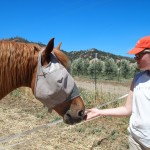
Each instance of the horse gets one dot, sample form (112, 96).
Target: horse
(19, 67)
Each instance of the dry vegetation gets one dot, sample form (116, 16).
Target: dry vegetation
(21, 112)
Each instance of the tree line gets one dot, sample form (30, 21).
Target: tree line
(109, 68)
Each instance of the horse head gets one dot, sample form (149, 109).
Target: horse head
(54, 86)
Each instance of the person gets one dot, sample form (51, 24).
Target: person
(137, 105)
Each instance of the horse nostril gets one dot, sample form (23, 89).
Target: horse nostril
(68, 115)
(81, 113)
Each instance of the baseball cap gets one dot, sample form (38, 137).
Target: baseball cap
(142, 44)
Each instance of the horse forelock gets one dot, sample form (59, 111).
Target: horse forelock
(17, 60)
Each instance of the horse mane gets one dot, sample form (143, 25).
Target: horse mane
(18, 63)
(64, 60)
(17, 60)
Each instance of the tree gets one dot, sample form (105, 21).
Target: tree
(125, 68)
(76, 67)
(96, 67)
(133, 69)
(79, 66)
(111, 68)
(84, 66)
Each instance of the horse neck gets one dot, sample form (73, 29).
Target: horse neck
(16, 70)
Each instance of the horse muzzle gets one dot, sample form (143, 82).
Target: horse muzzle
(73, 117)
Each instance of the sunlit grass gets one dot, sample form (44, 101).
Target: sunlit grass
(103, 133)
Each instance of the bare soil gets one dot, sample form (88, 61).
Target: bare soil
(21, 112)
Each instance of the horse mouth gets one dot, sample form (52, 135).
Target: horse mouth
(73, 119)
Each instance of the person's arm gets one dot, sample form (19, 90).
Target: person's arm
(125, 110)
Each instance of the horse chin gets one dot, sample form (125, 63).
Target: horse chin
(71, 121)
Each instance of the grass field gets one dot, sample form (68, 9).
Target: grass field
(21, 112)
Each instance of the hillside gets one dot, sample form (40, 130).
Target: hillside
(90, 53)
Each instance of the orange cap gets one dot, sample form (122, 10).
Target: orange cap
(142, 44)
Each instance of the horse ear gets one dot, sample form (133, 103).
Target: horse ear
(47, 51)
(58, 46)
(49, 47)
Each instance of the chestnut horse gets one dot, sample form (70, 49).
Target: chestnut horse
(18, 67)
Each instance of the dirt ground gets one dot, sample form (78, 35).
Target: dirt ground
(25, 124)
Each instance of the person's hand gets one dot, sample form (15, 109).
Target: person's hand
(92, 113)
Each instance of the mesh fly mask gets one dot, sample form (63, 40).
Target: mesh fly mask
(54, 84)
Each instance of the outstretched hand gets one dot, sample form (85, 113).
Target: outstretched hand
(92, 113)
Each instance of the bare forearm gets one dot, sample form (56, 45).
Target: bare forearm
(118, 112)
(125, 110)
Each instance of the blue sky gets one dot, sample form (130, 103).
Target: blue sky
(109, 25)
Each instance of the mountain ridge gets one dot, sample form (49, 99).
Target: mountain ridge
(90, 53)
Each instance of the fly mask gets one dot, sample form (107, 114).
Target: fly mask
(54, 84)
